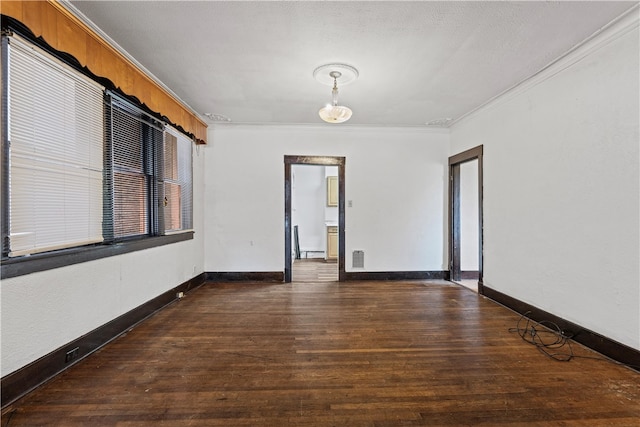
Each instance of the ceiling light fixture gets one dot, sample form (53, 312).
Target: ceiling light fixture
(335, 113)
(329, 74)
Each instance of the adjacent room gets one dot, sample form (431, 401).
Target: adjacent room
(320, 213)
(314, 215)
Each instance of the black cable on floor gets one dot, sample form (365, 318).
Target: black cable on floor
(546, 336)
(10, 415)
(549, 338)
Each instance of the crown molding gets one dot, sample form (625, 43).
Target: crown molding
(323, 127)
(70, 8)
(609, 33)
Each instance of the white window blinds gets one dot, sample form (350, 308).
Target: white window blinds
(178, 188)
(134, 159)
(132, 174)
(55, 156)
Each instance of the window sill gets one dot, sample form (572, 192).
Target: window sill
(19, 266)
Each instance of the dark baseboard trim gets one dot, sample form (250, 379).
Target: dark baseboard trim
(603, 345)
(469, 275)
(244, 276)
(278, 276)
(396, 275)
(17, 384)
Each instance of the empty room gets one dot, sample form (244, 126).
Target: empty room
(319, 213)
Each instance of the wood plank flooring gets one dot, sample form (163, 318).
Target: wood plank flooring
(314, 270)
(331, 354)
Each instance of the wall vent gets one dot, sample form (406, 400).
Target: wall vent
(358, 259)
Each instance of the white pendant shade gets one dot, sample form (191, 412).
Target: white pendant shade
(335, 113)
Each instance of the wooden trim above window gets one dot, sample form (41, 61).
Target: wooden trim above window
(66, 33)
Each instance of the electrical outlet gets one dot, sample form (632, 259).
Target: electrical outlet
(71, 355)
(180, 295)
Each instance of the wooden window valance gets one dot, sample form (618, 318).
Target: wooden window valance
(66, 33)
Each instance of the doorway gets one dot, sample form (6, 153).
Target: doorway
(290, 161)
(314, 217)
(465, 218)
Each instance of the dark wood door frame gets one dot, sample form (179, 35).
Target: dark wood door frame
(454, 213)
(320, 161)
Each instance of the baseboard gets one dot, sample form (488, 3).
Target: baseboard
(245, 276)
(603, 345)
(469, 275)
(18, 383)
(278, 276)
(396, 275)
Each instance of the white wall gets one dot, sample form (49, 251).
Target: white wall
(561, 186)
(396, 178)
(45, 310)
(469, 228)
(308, 201)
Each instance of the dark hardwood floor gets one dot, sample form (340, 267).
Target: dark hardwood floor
(331, 354)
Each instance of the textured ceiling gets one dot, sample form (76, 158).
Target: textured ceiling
(418, 61)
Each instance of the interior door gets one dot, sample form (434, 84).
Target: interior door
(465, 216)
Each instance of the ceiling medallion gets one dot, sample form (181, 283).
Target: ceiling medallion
(445, 122)
(348, 73)
(217, 117)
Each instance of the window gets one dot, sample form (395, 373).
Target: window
(53, 155)
(150, 169)
(83, 167)
(178, 188)
(132, 138)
